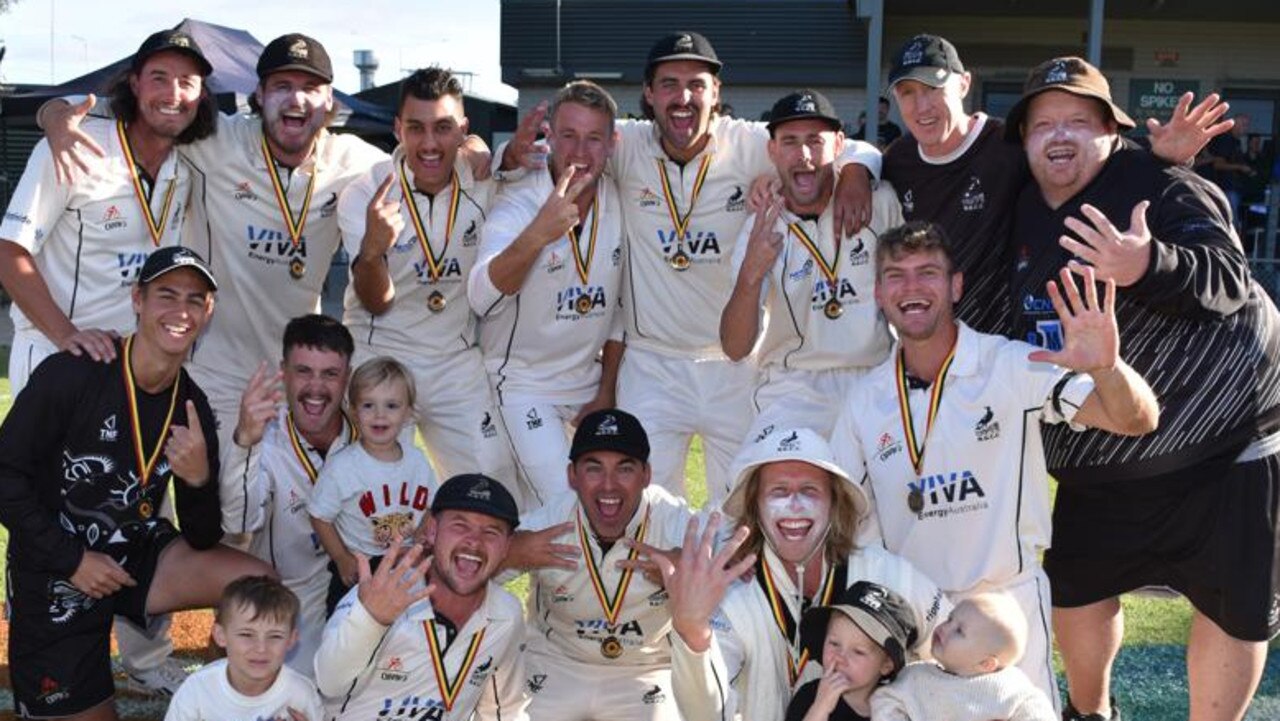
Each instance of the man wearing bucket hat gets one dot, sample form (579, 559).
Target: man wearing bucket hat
(685, 178)
(432, 638)
(801, 290)
(956, 169)
(798, 514)
(1190, 506)
(939, 434)
(597, 646)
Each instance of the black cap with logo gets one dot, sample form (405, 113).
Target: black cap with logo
(801, 105)
(295, 52)
(1069, 74)
(477, 493)
(175, 40)
(173, 257)
(886, 617)
(683, 45)
(610, 429)
(929, 59)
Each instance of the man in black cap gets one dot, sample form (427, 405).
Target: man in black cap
(432, 638)
(956, 169)
(685, 177)
(73, 245)
(1192, 505)
(805, 289)
(86, 454)
(598, 645)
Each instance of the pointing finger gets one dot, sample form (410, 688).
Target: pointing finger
(562, 185)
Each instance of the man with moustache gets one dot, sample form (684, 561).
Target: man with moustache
(277, 452)
(1191, 506)
(810, 289)
(432, 639)
(957, 170)
(683, 180)
(412, 227)
(939, 434)
(736, 647)
(597, 646)
(546, 286)
(72, 250)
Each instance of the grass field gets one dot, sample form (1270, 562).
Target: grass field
(1149, 677)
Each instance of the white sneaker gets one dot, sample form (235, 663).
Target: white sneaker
(163, 680)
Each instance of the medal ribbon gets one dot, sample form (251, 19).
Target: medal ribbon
(300, 452)
(146, 464)
(583, 264)
(154, 227)
(828, 269)
(782, 615)
(681, 223)
(612, 606)
(293, 225)
(915, 447)
(435, 263)
(449, 689)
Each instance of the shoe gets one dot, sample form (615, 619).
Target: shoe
(1071, 714)
(162, 681)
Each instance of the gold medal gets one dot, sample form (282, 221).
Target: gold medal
(436, 301)
(833, 309)
(583, 304)
(144, 510)
(611, 648)
(297, 268)
(680, 261)
(915, 500)
(680, 223)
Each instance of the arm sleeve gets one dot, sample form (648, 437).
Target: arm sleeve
(351, 637)
(183, 706)
(200, 509)
(37, 202)
(244, 484)
(1198, 267)
(352, 205)
(32, 432)
(702, 681)
(847, 446)
(504, 697)
(326, 497)
(501, 228)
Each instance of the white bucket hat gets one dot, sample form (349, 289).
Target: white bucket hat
(787, 444)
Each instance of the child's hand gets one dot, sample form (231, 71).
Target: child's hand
(830, 688)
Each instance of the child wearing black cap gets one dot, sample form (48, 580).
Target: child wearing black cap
(862, 641)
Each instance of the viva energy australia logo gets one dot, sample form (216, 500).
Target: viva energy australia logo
(948, 493)
(701, 247)
(129, 265)
(272, 246)
(579, 301)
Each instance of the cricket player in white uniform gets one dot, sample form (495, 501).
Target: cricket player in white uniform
(803, 297)
(276, 455)
(71, 251)
(436, 639)
(945, 435)
(546, 286)
(736, 644)
(412, 226)
(597, 647)
(683, 180)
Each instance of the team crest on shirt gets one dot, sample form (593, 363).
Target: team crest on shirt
(803, 271)
(737, 202)
(615, 258)
(481, 672)
(273, 246)
(948, 493)
(974, 198)
(653, 696)
(657, 598)
(244, 191)
(113, 219)
(330, 206)
(908, 202)
(858, 254)
(987, 426)
(471, 235)
(393, 670)
(887, 446)
(487, 429)
(648, 199)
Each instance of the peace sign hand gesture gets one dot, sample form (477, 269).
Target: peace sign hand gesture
(559, 213)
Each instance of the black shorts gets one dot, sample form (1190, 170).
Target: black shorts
(60, 639)
(1208, 533)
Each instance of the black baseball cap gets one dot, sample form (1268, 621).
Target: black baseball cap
(173, 257)
(683, 45)
(170, 40)
(1069, 74)
(882, 614)
(610, 429)
(929, 59)
(295, 51)
(477, 493)
(801, 105)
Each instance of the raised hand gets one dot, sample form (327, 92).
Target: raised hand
(851, 203)
(644, 561)
(383, 221)
(540, 549)
(697, 581)
(765, 243)
(525, 150)
(1091, 339)
(1189, 129)
(1114, 254)
(386, 593)
(559, 213)
(186, 450)
(67, 143)
(258, 405)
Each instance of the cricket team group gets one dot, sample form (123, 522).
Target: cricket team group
(886, 357)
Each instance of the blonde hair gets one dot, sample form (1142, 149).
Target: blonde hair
(844, 520)
(1006, 622)
(377, 371)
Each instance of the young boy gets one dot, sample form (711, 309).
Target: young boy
(256, 622)
(974, 677)
(378, 489)
(862, 641)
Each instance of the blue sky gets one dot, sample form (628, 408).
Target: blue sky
(404, 34)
